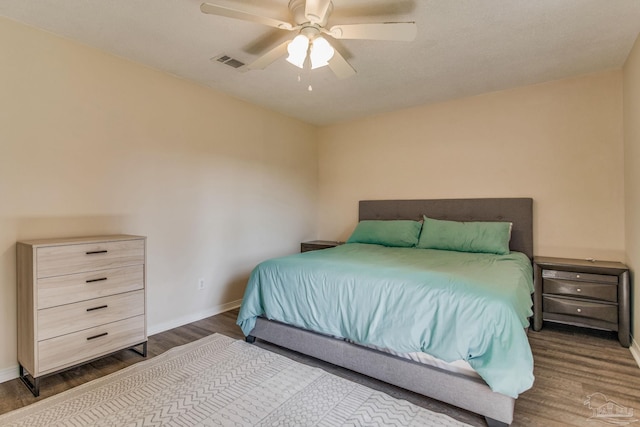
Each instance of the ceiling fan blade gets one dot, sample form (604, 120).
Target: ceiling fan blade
(340, 67)
(263, 43)
(316, 10)
(397, 31)
(268, 58)
(214, 9)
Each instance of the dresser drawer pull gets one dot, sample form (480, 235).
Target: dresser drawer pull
(579, 310)
(577, 276)
(97, 336)
(104, 278)
(97, 308)
(578, 290)
(96, 252)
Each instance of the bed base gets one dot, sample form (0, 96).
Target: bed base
(456, 389)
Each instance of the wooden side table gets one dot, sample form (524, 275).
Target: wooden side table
(315, 245)
(592, 294)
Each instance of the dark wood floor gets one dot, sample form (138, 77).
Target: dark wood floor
(570, 364)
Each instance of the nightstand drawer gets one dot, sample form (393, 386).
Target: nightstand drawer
(580, 277)
(599, 291)
(72, 259)
(590, 310)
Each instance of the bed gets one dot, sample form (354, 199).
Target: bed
(499, 350)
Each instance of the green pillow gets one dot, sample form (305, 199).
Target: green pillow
(402, 233)
(476, 236)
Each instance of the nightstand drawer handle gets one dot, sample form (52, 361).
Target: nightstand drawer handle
(579, 310)
(97, 308)
(104, 278)
(579, 290)
(577, 276)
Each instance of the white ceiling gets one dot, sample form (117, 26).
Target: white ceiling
(463, 48)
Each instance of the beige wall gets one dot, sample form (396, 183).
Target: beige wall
(560, 143)
(90, 144)
(94, 144)
(632, 176)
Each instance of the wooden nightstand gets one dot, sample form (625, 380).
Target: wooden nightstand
(592, 294)
(315, 245)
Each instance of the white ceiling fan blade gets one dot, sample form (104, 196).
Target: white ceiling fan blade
(340, 67)
(316, 10)
(398, 31)
(214, 9)
(268, 58)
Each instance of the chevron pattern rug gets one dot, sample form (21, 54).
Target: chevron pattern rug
(219, 381)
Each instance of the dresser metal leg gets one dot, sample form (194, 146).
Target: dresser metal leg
(33, 386)
(142, 353)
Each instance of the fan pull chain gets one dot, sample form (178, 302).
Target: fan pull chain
(300, 80)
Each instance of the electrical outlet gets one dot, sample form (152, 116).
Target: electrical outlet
(201, 284)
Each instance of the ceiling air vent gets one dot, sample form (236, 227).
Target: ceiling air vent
(227, 60)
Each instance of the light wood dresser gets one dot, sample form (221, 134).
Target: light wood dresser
(79, 299)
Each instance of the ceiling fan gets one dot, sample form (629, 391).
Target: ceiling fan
(310, 19)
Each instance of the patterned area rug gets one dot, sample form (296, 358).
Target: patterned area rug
(219, 381)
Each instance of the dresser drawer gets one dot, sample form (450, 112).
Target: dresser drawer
(59, 290)
(69, 350)
(65, 319)
(601, 291)
(72, 259)
(583, 309)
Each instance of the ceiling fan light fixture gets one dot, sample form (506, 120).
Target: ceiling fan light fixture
(321, 53)
(298, 50)
(310, 19)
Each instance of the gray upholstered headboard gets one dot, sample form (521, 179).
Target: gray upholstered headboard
(519, 211)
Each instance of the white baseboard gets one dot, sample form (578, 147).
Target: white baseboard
(11, 373)
(8, 374)
(193, 317)
(635, 351)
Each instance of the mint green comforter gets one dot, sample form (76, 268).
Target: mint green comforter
(452, 305)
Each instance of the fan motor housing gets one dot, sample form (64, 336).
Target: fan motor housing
(297, 9)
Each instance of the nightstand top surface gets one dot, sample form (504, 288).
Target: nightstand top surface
(585, 265)
(322, 242)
